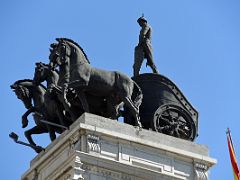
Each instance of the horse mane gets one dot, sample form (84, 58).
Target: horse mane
(75, 43)
(43, 63)
(23, 80)
(29, 80)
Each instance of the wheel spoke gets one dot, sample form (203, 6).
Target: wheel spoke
(183, 132)
(174, 121)
(166, 120)
(165, 128)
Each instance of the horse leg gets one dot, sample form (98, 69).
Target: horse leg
(67, 108)
(73, 115)
(112, 108)
(60, 116)
(133, 109)
(82, 97)
(34, 130)
(51, 132)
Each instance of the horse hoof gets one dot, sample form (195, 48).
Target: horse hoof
(139, 124)
(38, 149)
(138, 128)
(24, 123)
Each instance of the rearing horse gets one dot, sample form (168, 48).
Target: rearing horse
(78, 74)
(37, 101)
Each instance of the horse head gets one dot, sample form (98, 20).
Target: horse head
(66, 48)
(22, 91)
(44, 72)
(41, 73)
(54, 56)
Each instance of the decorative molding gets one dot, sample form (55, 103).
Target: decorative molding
(75, 142)
(200, 171)
(35, 174)
(108, 174)
(76, 172)
(93, 143)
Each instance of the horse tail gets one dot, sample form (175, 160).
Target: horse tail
(137, 95)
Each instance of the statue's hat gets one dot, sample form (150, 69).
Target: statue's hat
(142, 19)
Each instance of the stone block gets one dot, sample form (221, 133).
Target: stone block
(99, 148)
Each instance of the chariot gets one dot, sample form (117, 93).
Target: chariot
(164, 108)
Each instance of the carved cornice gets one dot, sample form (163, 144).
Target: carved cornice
(93, 143)
(76, 172)
(200, 171)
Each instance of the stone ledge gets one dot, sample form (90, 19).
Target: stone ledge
(101, 139)
(148, 137)
(116, 129)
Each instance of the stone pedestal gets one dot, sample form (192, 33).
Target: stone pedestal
(96, 148)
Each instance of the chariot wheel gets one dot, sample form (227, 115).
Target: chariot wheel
(175, 121)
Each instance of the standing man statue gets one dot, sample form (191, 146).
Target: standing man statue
(144, 48)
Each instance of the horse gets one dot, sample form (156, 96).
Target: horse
(97, 105)
(79, 75)
(43, 72)
(39, 102)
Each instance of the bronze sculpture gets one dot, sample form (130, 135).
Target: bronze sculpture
(97, 105)
(144, 48)
(43, 107)
(43, 72)
(164, 107)
(151, 101)
(79, 75)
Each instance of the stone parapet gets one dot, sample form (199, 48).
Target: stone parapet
(97, 148)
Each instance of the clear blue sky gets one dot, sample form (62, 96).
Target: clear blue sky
(196, 44)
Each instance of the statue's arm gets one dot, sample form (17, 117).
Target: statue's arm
(143, 32)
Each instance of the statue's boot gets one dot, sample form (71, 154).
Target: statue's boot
(154, 69)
